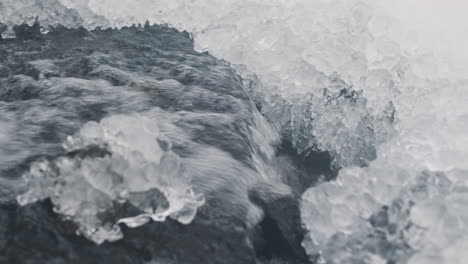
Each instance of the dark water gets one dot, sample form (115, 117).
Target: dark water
(157, 131)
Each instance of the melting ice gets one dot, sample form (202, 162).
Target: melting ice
(129, 161)
(345, 77)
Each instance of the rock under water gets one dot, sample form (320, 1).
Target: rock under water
(190, 151)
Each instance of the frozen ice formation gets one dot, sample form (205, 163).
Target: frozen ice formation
(49, 13)
(133, 164)
(343, 77)
(422, 171)
(406, 217)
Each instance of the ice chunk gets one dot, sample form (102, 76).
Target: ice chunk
(121, 160)
(422, 168)
(48, 13)
(410, 217)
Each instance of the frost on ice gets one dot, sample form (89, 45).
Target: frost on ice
(121, 162)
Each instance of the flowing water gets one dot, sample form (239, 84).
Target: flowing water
(381, 87)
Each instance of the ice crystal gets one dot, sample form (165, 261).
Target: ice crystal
(122, 159)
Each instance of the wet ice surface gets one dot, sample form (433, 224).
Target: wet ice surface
(345, 78)
(140, 168)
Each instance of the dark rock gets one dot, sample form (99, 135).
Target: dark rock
(26, 32)
(36, 235)
(303, 170)
(281, 227)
